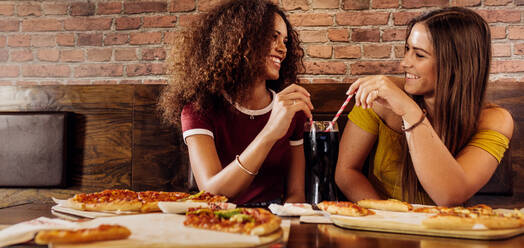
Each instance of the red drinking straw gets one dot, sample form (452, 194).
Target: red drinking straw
(339, 112)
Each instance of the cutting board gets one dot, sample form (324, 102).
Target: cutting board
(167, 230)
(411, 223)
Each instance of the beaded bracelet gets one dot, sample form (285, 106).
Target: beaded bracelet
(416, 123)
(244, 168)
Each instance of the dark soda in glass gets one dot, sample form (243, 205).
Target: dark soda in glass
(321, 151)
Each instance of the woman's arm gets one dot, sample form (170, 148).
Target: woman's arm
(295, 178)
(354, 148)
(452, 180)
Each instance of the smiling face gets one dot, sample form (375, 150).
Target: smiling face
(420, 62)
(278, 49)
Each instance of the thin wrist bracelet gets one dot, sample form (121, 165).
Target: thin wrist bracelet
(416, 123)
(244, 168)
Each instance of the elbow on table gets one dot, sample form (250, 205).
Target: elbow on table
(451, 199)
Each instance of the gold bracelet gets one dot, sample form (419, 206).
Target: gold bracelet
(416, 123)
(244, 168)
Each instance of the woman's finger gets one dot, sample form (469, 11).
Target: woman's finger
(371, 98)
(299, 96)
(354, 87)
(301, 106)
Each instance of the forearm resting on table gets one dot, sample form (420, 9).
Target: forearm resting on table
(354, 185)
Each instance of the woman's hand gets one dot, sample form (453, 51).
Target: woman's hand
(288, 101)
(383, 90)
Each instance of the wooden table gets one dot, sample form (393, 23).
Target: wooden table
(311, 235)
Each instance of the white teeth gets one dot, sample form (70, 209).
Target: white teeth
(275, 59)
(411, 76)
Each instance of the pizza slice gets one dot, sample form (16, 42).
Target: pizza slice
(251, 221)
(150, 199)
(107, 200)
(344, 208)
(100, 233)
(203, 196)
(387, 205)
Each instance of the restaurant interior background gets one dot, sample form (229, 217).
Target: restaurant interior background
(101, 63)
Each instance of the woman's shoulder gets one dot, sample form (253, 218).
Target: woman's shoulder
(496, 118)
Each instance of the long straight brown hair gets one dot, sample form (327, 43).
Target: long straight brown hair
(462, 44)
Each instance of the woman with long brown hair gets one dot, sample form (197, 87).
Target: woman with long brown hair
(244, 139)
(431, 137)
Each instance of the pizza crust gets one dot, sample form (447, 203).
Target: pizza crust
(449, 222)
(117, 205)
(100, 233)
(387, 205)
(344, 208)
(269, 227)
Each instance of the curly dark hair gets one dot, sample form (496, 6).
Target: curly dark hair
(225, 53)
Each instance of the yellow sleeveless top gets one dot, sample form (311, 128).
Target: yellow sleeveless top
(385, 159)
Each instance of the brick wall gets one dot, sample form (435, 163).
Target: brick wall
(122, 42)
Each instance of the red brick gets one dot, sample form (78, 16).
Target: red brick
(338, 34)
(295, 4)
(384, 4)
(516, 32)
(99, 54)
(498, 32)
(507, 66)
(109, 8)
(158, 53)
(159, 21)
(347, 52)
(319, 51)
(500, 15)
(399, 51)
(29, 9)
(320, 67)
(412, 4)
(144, 7)
(4, 55)
(365, 34)
(402, 18)
(362, 18)
(313, 35)
(54, 8)
(465, 3)
(355, 4)
(9, 25)
(377, 51)
(6, 83)
(90, 39)
(325, 81)
(116, 39)
(87, 23)
(21, 55)
(325, 4)
(497, 2)
(189, 20)
(308, 20)
(125, 23)
(74, 55)
(145, 38)
(9, 71)
(155, 81)
(82, 9)
(49, 55)
(145, 69)
(519, 2)
(7, 9)
(43, 40)
(125, 54)
(209, 5)
(19, 40)
(182, 5)
(501, 49)
(98, 70)
(375, 67)
(79, 82)
(46, 70)
(394, 34)
(3, 41)
(65, 39)
(518, 49)
(27, 83)
(169, 37)
(36, 25)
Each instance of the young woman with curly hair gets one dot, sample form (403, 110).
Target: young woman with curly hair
(244, 139)
(432, 138)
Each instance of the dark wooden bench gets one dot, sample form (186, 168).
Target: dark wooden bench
(116, 139)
